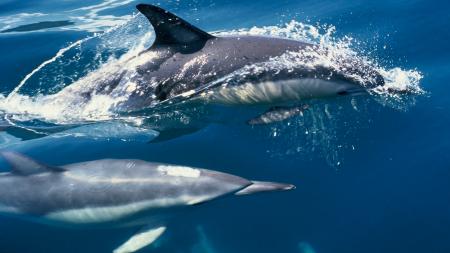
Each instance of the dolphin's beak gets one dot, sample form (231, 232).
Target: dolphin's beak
(258, 186)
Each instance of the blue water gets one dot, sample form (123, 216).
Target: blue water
(372, 172)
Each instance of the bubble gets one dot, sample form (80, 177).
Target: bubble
(52, 91)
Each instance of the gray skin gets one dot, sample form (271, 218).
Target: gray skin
(223, 55)
(184, 59)
(112, 193)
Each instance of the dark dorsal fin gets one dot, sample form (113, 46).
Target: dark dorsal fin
(25, 166)
(172, 30)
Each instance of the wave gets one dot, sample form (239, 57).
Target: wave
(93, 18)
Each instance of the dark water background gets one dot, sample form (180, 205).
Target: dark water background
(371, 180)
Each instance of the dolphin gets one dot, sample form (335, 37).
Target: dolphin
(114, 193)
(277, 114)
(185, 62)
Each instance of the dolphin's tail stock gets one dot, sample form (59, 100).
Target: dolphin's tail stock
(258, 186)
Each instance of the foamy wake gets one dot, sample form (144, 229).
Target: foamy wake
(332, 52)
(67, 106)
(112, 54)
(400, 80)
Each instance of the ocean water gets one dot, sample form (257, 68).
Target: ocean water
(372, 171)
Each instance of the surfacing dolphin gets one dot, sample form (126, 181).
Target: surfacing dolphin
(114, 193)
(185, 62)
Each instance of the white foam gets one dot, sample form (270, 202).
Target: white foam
(400, 80)
(331, 52)
(69, 106)
(45, 63)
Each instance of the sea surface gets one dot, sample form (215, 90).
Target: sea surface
(372, 171)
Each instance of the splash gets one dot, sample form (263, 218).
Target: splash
(84, 63)
(45, 63)
(332, 52)
(52, 90)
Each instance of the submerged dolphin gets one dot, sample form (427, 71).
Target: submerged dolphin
(185, 61)
(277, 114)
(114, 193)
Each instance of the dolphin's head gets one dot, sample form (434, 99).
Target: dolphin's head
(357, 77)
(352, 78)
(292, 84)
